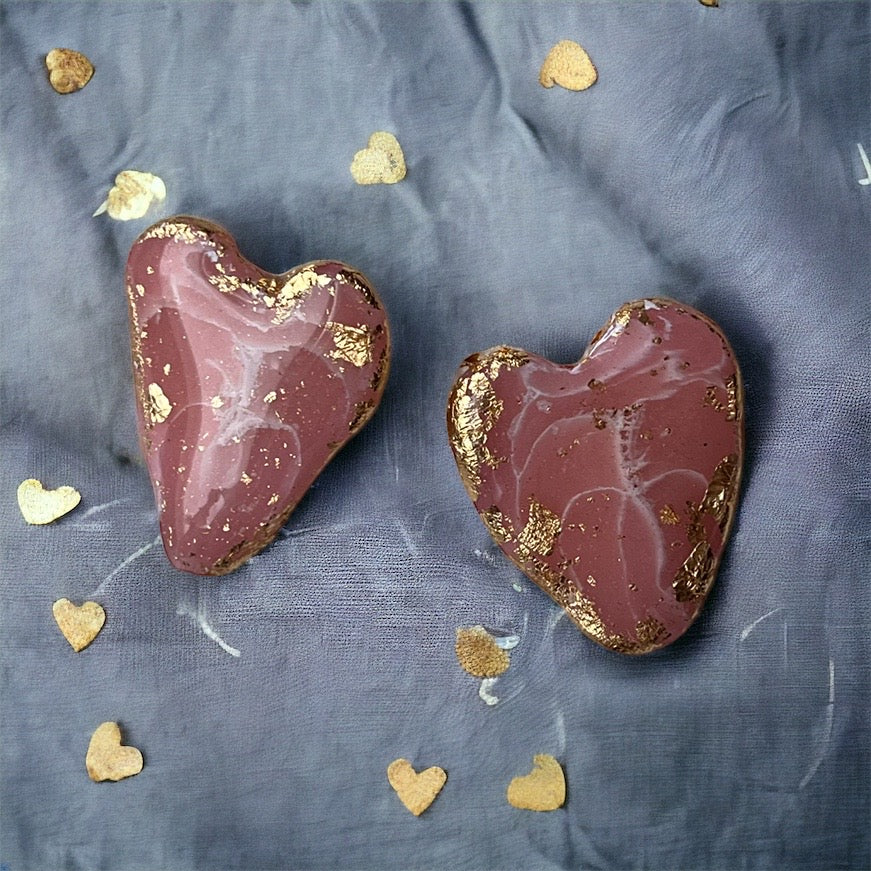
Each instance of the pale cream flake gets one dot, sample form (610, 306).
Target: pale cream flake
(132, 194)
(380, 162)
(159, 406)
(569, 66)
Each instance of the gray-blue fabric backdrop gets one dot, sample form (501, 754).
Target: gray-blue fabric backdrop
(716, 160)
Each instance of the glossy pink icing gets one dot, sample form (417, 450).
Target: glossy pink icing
(633, 454)
(260, 379)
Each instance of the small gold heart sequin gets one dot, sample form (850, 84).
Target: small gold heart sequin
(416, 790)
(68, 70)
(543, 789)
(380, 162)
(107, 758)
(132, 195)
(569, 66)
(80, 624)
(40, 506)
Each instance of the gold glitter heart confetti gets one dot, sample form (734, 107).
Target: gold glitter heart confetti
(569, 66)
(416, 790)
(132, 195)
(40, 506)
(543, 789)
(380, 162)
(80, 624)
(68, 70)
(107, 758)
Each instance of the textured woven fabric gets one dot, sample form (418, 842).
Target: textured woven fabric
(714, 161)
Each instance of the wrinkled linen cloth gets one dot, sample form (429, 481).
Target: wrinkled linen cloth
(717, 160)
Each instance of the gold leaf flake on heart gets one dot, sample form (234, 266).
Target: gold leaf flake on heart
(380, 162)
(569, 66)
(416, 790)
(40, 506)
(107, 758)
(68, 70)
(80, 624)
(132, 195)
(543, 789)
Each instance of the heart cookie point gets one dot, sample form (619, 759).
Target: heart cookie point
(247, 384)
(40, 506)
(543, 789)
(612, 483)
(416, 790)
(80, 624)
(107, 758)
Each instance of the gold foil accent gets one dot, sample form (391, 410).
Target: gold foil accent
(595, 384)
(623, 315)
(226, 282)
(718, 497)
(650, 632)
(363, 410)
(732, 410)
(159, 406)
(246, 478)
(178, 231)
(668, 516)
(353, 344)
(695, 576)
(472, 412)
(712, 399)
(270, 397)
(296, 289)
(502, 357)
(540, 532)
(216, 402)
(498, 525)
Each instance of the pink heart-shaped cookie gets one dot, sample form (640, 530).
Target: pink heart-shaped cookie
(611, 483)
(247, 384)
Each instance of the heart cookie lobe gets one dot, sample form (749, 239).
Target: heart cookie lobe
(40, 506)
(417, 790)
(107, 758)
(543, 789)
(247, 384)
(611, 483)
(79, 624)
